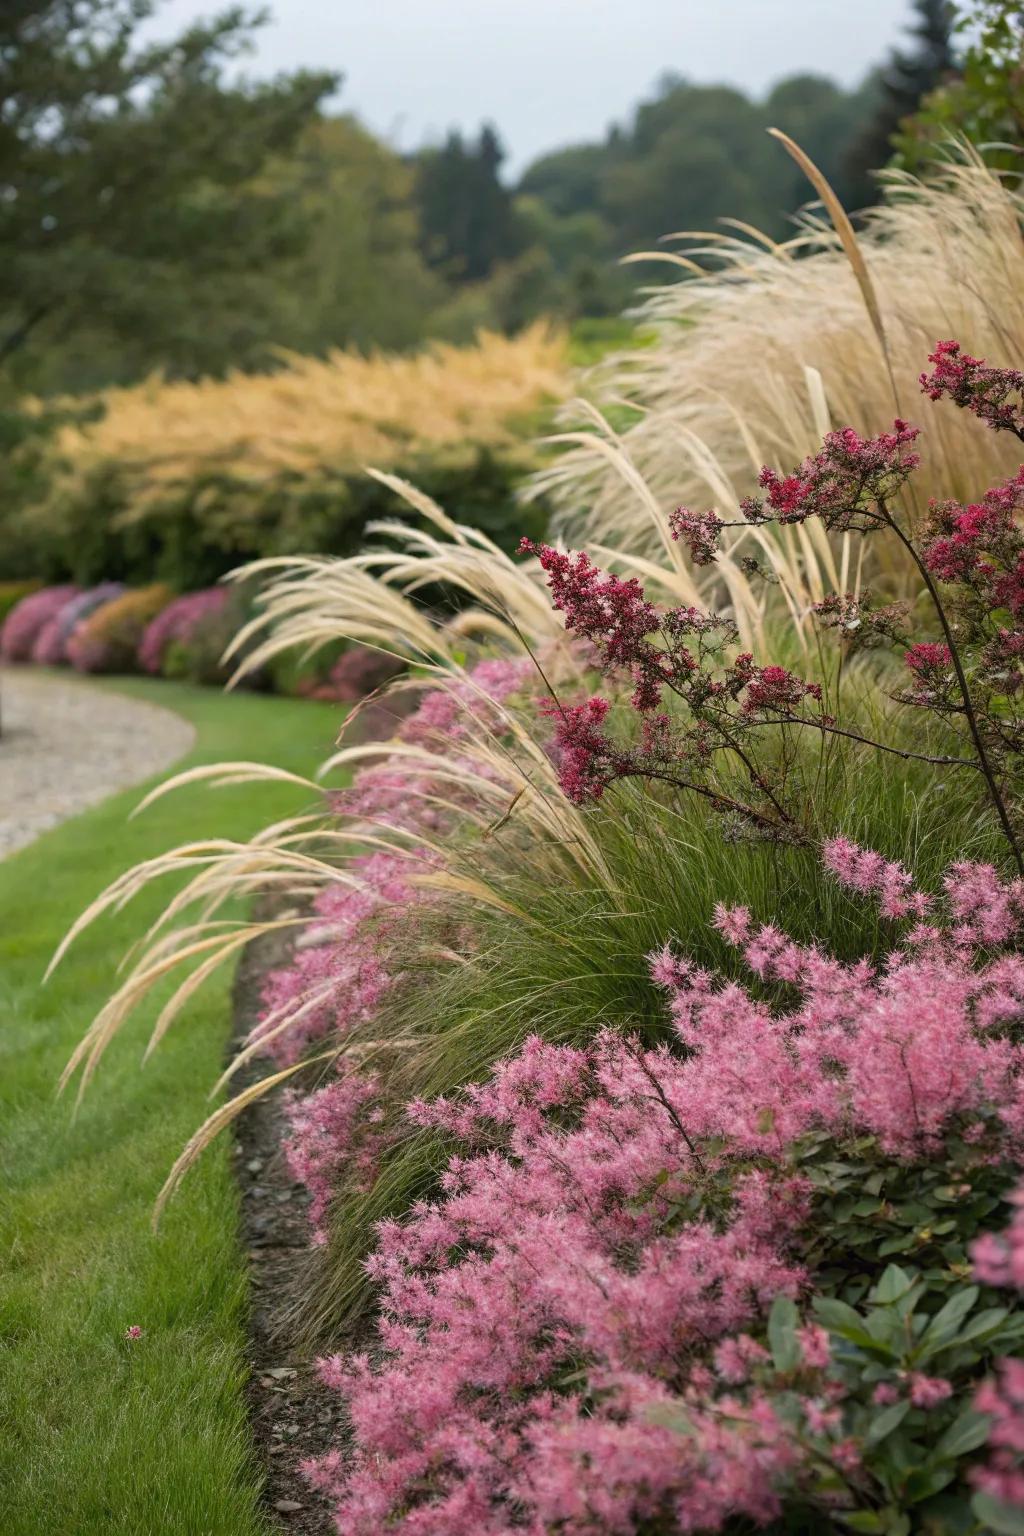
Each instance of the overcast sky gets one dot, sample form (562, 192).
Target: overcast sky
(552, 72)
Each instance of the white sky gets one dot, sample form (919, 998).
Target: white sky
(551, 72)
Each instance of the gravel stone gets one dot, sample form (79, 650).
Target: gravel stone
(67, 744)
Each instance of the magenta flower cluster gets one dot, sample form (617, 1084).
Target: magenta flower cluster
(994, 395)
(843, 483)
(725, 700)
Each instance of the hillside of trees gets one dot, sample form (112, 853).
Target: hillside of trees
(156, 214)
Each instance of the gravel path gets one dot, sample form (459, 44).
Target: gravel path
(67, 744)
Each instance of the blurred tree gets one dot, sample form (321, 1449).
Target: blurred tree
(908, 77)
(132, 221)
(985, 102)
(360, 280)
(467, 220)
(569, 180)
(824, 120)
(694, 154)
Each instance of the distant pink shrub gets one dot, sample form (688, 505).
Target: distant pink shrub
(28, 618)
(177, 623)
(356, 673)
(50, 648)
(108, 640)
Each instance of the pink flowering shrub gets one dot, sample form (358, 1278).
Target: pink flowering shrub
(28, 618)
(50, 648)
(358, 671)
(661, 1289)
(339, 975)
(176, 623)
(108, 640)
(332, 1141)
(349, 958)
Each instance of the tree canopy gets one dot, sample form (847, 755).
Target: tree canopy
(132, 214)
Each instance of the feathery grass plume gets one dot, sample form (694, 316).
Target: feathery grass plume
(759, 354)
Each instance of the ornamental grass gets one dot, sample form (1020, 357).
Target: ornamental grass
(761, 348)
(653, 1016)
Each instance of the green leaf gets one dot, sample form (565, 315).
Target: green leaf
(865, 1520)
(945, 1325)
(901, 1244)
(924, 1481)
(782, 1324)
(988, 1322)
(964, 1434)
(894, 1284)
(839, 1318)
(885, 1422)
(998, 1517)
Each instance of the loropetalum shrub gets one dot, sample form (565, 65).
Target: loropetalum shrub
(51, 644)
(337, 976)
(108, 640)
(698, 702)
(349, 958)
(663, 1289)
(176, 623)
(28, 618)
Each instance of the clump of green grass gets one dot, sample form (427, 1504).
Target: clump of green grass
(97, 1434)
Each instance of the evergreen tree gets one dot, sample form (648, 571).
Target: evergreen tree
(467, 217)
(132, 218)
(910, 75)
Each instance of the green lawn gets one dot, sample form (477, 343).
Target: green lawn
(96, 1436)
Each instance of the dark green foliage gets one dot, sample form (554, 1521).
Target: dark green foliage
(132, 218)
(984, 101)
(905, 81)
(360, 279)
(197, 532)
(693, 154)
(467, 220)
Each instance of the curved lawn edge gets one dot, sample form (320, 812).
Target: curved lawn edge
(102, 1433)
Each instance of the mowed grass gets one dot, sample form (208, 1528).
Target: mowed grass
(96, 1435)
